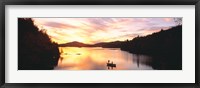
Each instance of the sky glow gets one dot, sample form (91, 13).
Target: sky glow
(95, 30)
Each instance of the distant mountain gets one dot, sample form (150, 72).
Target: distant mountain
(74, 44)
(114, 44)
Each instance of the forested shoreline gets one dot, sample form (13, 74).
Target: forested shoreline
(36, 51)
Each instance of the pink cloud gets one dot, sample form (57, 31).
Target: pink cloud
(93, 30)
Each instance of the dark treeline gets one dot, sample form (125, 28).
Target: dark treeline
(165, 47)
(35, 48)
(162, 43)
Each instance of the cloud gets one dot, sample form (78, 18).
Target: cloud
(59, 25)
(168, 19)
(98, 23)
(94, 30)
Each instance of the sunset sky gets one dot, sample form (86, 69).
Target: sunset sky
(95, 30)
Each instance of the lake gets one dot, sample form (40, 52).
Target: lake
(96, 58)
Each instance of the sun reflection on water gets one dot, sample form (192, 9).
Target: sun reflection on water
(95, 58)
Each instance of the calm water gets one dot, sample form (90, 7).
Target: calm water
(96, 58)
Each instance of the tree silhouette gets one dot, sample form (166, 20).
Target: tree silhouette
(178, 21)
(36, 50)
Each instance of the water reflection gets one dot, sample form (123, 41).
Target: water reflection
(97, 58)
(138, 60)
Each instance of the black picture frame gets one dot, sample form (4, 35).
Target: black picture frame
(98, 2)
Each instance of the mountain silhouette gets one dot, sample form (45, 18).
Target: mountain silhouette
(74, 44)
(113, 44)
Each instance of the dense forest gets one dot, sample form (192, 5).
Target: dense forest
(36, 51)
(164, 46)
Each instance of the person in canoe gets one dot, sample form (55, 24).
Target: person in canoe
(110, 64)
